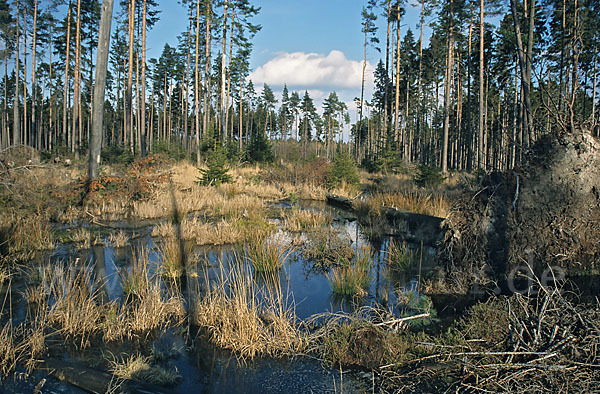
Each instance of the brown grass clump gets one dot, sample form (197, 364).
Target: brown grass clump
(351, 277)
(174, 255)
(247, 320)
(413, 201)
(326, 246)
(268, 254)
(297, 220)
(76, 311)
(28, 234)
(119, 239)
(140, 368)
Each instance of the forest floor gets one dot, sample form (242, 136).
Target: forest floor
(523, 229)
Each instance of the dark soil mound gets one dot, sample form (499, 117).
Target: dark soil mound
(545, 213)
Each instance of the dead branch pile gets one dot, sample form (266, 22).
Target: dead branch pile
(549, 344)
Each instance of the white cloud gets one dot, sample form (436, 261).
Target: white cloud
(301, 70)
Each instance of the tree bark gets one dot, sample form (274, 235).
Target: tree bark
(16, 121)
(480, 153)
(197, 86)
(450, 60)
(99, 88)
(33, 98)
(143, 95)
(76, 130)
(522, 64)
(128, 94)
(223, 71)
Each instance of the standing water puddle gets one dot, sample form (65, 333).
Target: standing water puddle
(214, 370)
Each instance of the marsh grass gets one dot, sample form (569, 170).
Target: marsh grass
(412, 201)
(297, 220)
(351, 278)
(249, 320)
(401, 258)
(268, 254)
(76, 309)
(326, 246)
(28, 234)
(119, 239)
(137, 279)
(175, 254)
(141, 368)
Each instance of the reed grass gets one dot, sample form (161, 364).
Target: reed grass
(174, 255)
(29, 233)
(326, 246)
(240, 316)
(297, 220)
(140, 368)
(351, 277)
(268, 254)
(119, 239)
(400, 257)
(413, 201)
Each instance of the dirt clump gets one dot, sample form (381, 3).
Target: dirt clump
(544, 213)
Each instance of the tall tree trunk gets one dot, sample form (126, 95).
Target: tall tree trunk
(76, 130)
(207, 61)
(128, 94)
(25, 133)
(144, 137)
(16, 121)
(595, 86)
(397, 101)
(241, 105)
(99, 87)
(229, 73)
(470, 135)
(197, 85)
(186, 85)
(223, 71)
(528, 68)
(522, 63)
(447, 83)
(65, 131)
(387, 69)
(420, 110)
(362, 94)
(480, 155)
(34, 132)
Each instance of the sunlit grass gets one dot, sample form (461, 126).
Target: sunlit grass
(249, 320)
(351, 277)
(412, 201)
(268, 254)
(140, 368)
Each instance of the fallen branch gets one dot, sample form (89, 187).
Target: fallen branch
(402, 319)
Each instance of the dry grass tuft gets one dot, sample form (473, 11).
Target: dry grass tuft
(268, 254)
(174, 255)
(140, 368)
(413, 201)
(326, 246)
(28, 234)
(297, 220)
(251, 322)
(351, 277)
(119, 239)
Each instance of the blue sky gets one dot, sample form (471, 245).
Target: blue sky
(313, 45)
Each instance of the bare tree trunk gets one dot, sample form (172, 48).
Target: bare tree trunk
(143, 98)
(207, 69)
(420, 110)
(128, 94)
(387, 68)
(480, 155)
(229, 73)
(76, 88)
(397, 102)
(186, 85)
(522, 63)
(450, 60)
(65, 131)
(16, 117)
(25, 134)
(223, 71)
(197, 86)
(528, 68)
(34, 132)
(241, 112)
(99, 87)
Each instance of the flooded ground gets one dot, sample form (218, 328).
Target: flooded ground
(205, 368)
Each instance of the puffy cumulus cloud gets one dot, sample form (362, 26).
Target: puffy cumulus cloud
(301, 70)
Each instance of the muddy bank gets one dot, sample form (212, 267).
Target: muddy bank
(546, 212)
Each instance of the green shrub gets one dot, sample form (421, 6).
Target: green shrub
(343, 169)
(172, 150)
(428, 176)
(217, 172)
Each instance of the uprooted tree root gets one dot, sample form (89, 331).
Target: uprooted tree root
(544, 212)
(536, 343)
